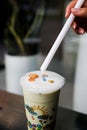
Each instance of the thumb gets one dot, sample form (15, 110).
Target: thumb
(79, 12)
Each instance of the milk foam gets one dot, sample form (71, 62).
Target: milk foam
(45, 83)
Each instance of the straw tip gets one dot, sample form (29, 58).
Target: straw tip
(42, 69)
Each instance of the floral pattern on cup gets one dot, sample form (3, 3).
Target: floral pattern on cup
(32, 77)
(40, 114)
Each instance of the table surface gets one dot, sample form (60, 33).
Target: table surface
(12, 115)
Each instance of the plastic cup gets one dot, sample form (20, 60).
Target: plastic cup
(41, 96)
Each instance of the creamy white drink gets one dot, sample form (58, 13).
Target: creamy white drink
(41, 94)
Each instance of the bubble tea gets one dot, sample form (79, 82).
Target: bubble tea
(41, 94)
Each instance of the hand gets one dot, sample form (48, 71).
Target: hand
(79, 24)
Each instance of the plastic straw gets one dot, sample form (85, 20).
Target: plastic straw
(60, 38)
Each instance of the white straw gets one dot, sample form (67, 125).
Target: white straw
(60, 38)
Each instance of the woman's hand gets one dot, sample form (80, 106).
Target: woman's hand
(79, 24)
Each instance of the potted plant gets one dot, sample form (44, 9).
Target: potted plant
(22, 38)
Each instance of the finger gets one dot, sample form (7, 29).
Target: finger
(68, 8)
(81, 22)
(74, 25)
(81, 12)
(79, 30)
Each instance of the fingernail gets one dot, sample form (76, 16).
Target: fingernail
(81, 31)
(75, 10)
(74, 26)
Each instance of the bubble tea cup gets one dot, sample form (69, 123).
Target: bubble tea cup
(41, 95)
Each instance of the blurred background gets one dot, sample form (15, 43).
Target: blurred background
(64, 61)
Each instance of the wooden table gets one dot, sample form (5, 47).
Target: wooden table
(12, 115)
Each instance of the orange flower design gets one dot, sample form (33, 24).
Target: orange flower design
(32, 77)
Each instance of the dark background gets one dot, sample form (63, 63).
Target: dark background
(5, 11)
